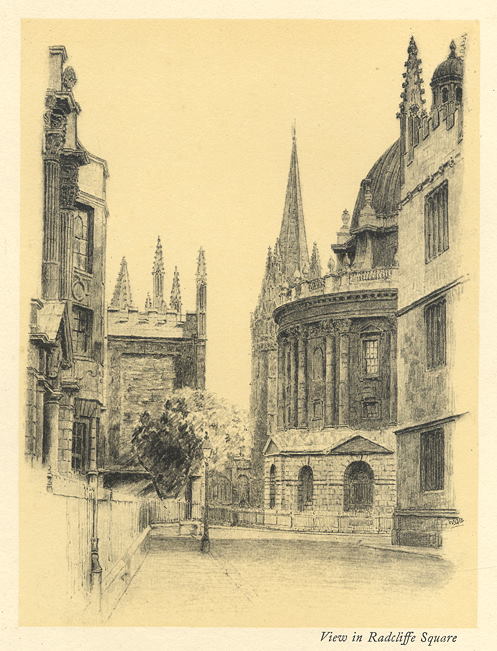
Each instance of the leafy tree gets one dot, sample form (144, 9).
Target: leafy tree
(226, 424)
(170, 447)
(167, 447)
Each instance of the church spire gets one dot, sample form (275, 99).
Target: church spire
(121, 299)
(292, 239)
(175, 301)
(158, 278)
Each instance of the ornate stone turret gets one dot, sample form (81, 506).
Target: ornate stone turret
(412, 114)
(292, 239)
(175, 301)
(447, 78)
(158, 302)
(121, 299)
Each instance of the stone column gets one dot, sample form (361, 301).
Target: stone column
(272, 389)
(66, 426)
(281, 380)
(329, 390)
(55, 124)
(40, 407)
(302, 381)
(343, 371)
(293, 382)
(30, 424)
(51, 244)
(392, 342)
(66, 253)
(282, 493)
(52, 405)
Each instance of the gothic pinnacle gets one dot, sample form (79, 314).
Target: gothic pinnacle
(315, 268)
(158, 266)
(175, 301)
(201, 266)
(122, 299)
(158, 278)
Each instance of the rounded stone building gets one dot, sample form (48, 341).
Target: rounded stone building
(329, 461)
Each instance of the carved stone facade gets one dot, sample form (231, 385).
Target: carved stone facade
(66, 360)
(436, 436)
(373, 358)
(150, 353)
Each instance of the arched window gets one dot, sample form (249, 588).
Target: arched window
(358, 487)
(243, 490)
(272, 487)
(305, 488)
(445, 94)
(458, 94)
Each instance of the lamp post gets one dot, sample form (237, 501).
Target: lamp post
(205, 543)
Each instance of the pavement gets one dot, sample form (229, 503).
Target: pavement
(256, 577)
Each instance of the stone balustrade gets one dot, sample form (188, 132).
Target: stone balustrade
(345, 280)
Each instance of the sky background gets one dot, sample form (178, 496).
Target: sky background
(194, 119)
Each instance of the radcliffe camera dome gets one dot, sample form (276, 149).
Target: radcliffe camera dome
(384, 178)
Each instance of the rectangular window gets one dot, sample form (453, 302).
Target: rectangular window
(370, 409)
(370, 356)
(317, 409)
(82, 330)
(436, 222)
(435, 323)
(79, 445)
(432, 457)
(83, 238)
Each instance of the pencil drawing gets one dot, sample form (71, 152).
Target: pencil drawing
(171, 506)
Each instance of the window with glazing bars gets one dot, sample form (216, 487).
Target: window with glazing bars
(436, 222)
(432, 457)
(82, 329)
(83, 238)
(79, 444)
(370, 409)
(370, 356)
(435, 323)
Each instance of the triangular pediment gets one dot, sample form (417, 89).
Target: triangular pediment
(271, 447)
(359, 445)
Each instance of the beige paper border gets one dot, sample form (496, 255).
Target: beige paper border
(122, 638)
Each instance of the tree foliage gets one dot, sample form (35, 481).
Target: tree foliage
(167, 447)
(170, 447)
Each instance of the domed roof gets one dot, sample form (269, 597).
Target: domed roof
(451, 68)
(385, 185)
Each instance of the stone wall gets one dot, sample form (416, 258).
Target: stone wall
(141, 374)
(328, 484)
